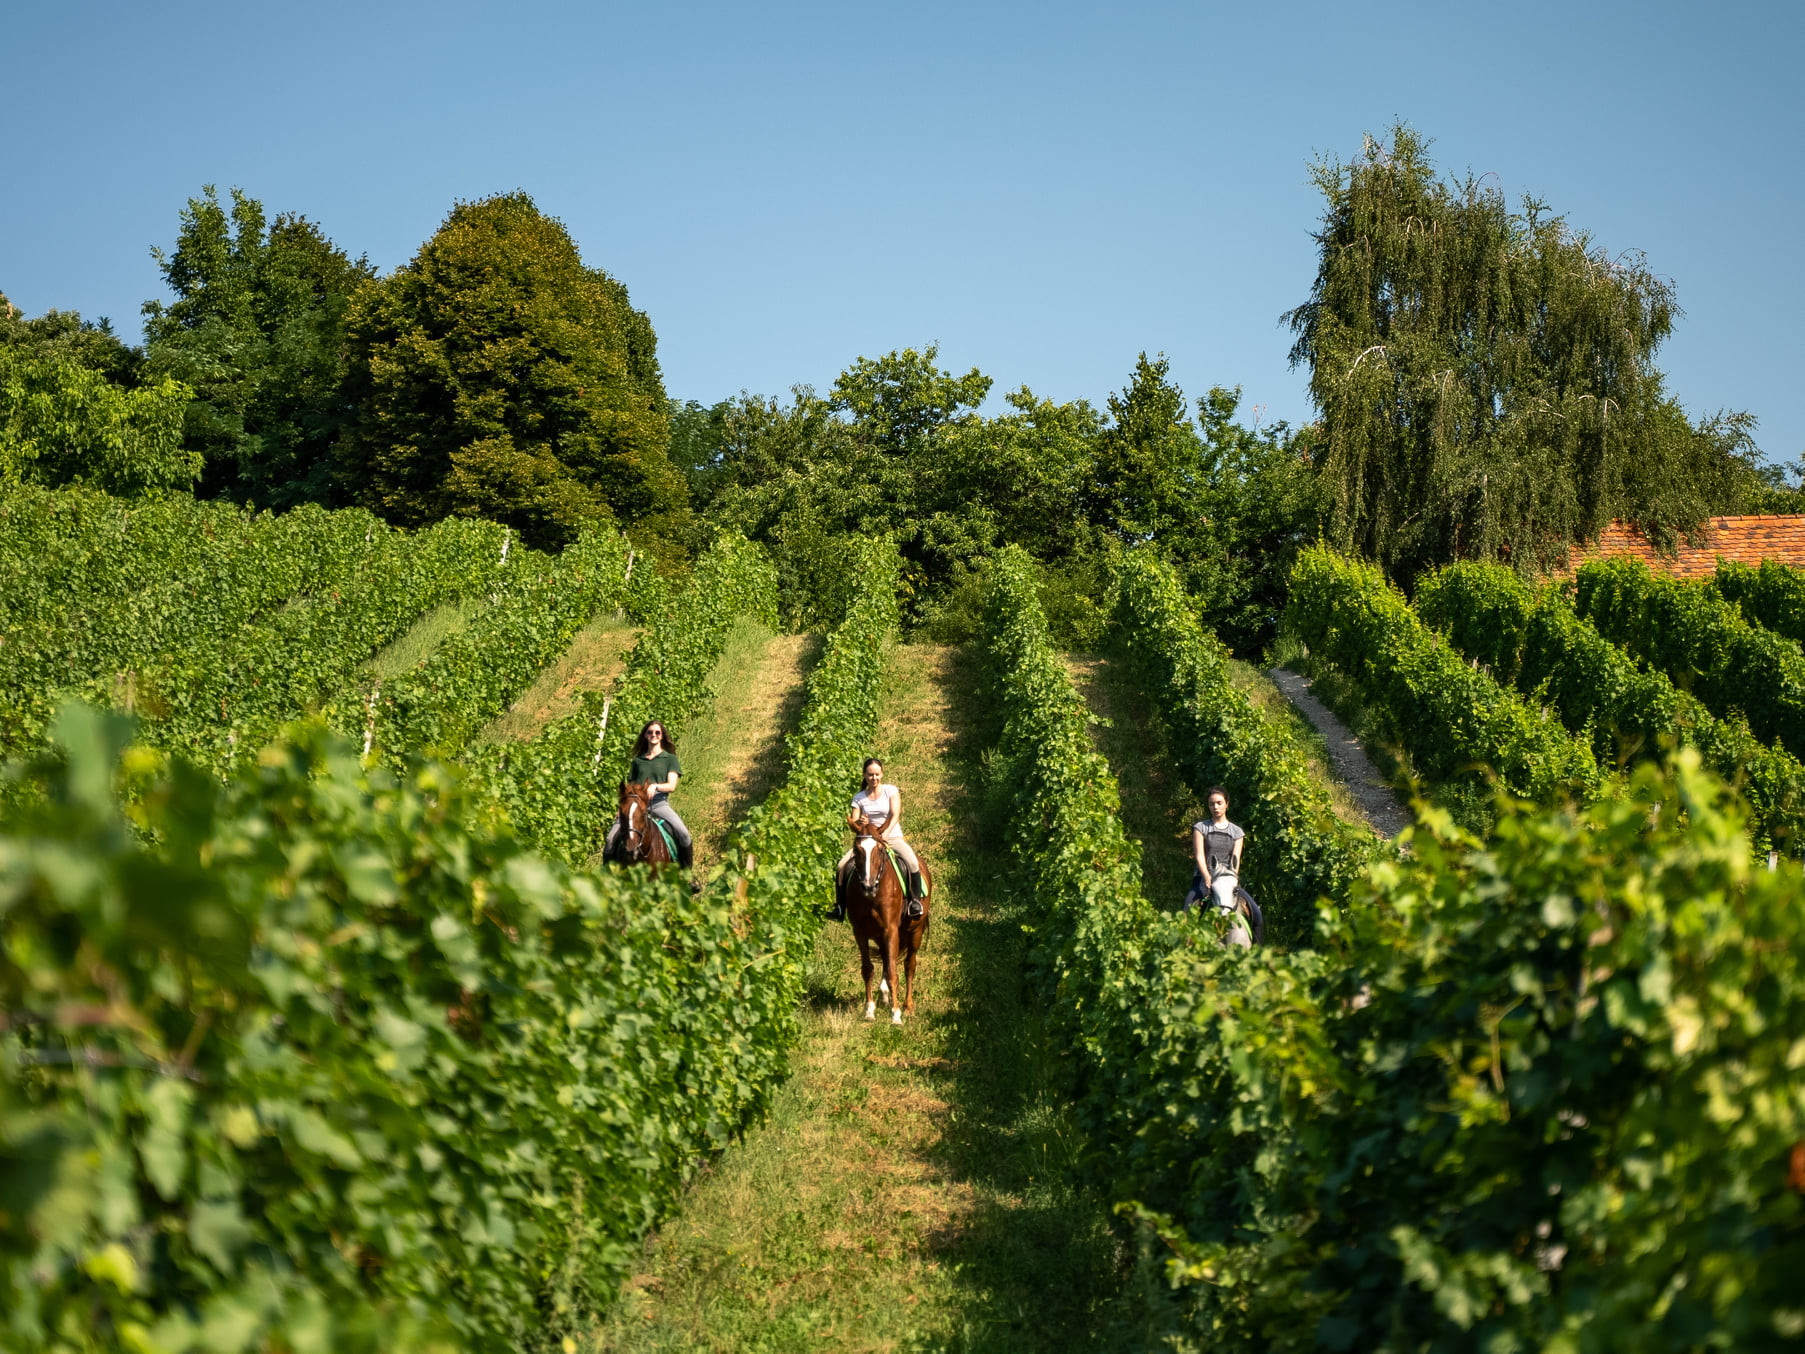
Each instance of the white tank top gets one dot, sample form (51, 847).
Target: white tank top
(875, 806)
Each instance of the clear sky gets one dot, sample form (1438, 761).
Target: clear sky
(1045, 189)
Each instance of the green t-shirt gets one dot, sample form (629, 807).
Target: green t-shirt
(649, 770)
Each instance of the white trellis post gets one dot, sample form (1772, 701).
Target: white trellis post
(629, 574)
(601, 731)
(370, 725)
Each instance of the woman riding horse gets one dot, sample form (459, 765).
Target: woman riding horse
(655, 764)
(1216, 846)
(882, 804)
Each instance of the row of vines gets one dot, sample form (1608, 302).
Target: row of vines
(345, 1052)
(1536, 1092)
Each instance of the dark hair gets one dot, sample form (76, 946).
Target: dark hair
(1217, 790)
(643, 744)
(869, 763)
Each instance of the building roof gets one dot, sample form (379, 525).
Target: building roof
(1747, 540)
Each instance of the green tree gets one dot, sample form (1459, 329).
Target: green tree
(257, 329)
(63, 336)
(1486, 377)
(497, 376)
(1149, 462)
(61, 423)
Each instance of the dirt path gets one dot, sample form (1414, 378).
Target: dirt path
(1377, 804)
(908, 1191)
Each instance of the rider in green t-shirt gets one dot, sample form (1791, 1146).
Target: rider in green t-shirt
(655, 764)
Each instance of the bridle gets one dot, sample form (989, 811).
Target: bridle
(632, 834)
(869, 851)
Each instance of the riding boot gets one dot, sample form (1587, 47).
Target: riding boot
(686, 855)
(915, 894)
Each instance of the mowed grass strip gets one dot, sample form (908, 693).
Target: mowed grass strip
(911, 1188)
(414, 647)
(732, 753)
(596, 656)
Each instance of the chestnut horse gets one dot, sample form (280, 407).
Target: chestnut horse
(872, 893)
(640, 842)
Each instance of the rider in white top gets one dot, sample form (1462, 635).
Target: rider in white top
(882, 804)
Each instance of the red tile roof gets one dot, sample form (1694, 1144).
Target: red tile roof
(1747, 540)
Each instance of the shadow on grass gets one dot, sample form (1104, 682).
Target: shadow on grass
(1041, 1261)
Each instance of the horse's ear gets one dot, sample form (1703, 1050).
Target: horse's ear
(623, 787)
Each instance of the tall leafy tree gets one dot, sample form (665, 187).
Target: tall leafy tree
(495, 375)
(1486, 377)
(63, 336)
(63, 423)
(257, 330)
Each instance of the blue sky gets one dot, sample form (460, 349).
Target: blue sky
(1045, 189)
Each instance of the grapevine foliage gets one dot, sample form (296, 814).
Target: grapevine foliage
(214, 625)
(1772, 595)
(1534, 641)
(1299, 850)
(1537, 1092)
(338, 1062)
(1700, 640)
(558, 789)
(1456, 722)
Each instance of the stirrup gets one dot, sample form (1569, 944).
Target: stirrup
(913, 909)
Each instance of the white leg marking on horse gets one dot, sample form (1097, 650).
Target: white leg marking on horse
(896, 1015)
(870, 1009)
(883, 987)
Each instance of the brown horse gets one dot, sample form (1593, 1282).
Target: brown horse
(640, 842)
(872, 893)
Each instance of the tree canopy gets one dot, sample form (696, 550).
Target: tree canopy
(1486, 377)
(257, 330)
(63, 423)
(495, 375)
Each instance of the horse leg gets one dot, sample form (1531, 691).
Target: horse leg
(891, 941)
(909, 975)
(868, 968)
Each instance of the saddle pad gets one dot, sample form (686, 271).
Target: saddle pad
(663, 831)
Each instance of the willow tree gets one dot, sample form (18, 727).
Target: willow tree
(1486, 378)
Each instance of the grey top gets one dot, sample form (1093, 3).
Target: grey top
(1218, 843)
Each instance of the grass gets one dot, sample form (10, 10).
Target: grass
(596, 655)
(1157, 810)
(422, 637)
(913, 1188)
(732, 753)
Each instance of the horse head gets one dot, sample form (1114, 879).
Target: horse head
(635, 820)
(867, 853)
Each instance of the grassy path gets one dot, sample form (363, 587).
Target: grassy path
(732, 753)
(910, 1189)
(594, 659)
